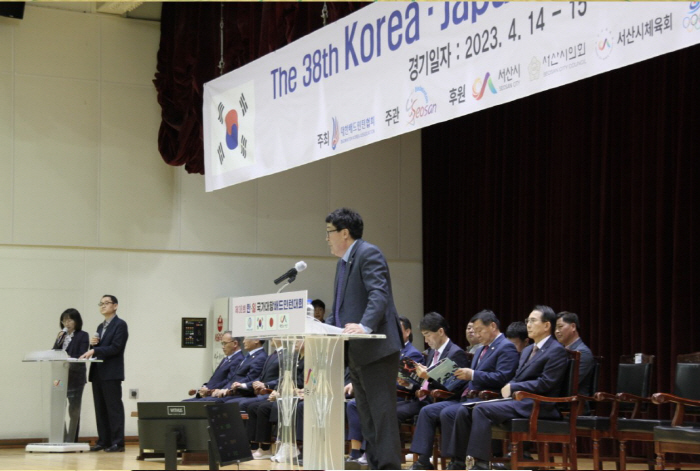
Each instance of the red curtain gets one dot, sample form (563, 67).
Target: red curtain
(584, 198)
(190, 51)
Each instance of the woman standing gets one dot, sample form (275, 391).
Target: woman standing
(75, 342)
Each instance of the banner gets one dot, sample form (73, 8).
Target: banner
(268, 315)
(394, 67)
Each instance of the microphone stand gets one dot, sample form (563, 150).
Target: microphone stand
(287, 283)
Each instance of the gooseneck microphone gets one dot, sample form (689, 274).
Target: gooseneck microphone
(292, 273)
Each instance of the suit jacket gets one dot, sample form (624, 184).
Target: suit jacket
(111, 351)
(585, 371)
(409, 351)
(77, 346)
(367, 300)
(269, 375)
(248, 370)
(543, 374)
(218, 380)
(497, 366)
(456, 354)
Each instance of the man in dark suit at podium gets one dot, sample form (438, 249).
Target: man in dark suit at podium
(364, 303)
(108, 345)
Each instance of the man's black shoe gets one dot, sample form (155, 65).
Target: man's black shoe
(97, 447)
(498, 466)
(419, 465)
(114, 448)
(456, 464)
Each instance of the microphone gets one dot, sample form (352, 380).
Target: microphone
(61, 334)
(292, 273)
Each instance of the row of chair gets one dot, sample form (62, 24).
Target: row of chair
(625, 422)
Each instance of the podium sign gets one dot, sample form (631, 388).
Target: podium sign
(269, 315)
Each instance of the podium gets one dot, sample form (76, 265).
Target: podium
(285, 316)
(60, 363)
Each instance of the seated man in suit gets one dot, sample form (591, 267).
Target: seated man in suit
(434, 328)
(492, 367)
(540, 371)
(353, 416)
(248, 370)
(246, 393)
(517, 334)
(233, 356)
(567, 332)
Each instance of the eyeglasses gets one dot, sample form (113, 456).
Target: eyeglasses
(532, 321)
(328, 233)
(104, 303)
(226, 343)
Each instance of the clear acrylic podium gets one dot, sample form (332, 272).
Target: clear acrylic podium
(60, 362)
(284, 316)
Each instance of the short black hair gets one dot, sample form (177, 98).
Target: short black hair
(570, 318)
(432, 322)
(517, 329)
(318, 303)
(346, 218)
(407, 325)
(113, 298)
(74, 315)
(548, 315)
(487, 317)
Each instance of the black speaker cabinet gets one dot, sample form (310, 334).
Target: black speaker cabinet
(12, 9)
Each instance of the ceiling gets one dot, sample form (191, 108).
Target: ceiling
(137, 10)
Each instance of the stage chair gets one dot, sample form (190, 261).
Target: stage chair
(676, 438)
(545, 432)
(687, 386)
(634, 378)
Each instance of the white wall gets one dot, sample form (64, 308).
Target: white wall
(88, 207)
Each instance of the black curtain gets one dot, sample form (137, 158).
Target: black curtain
(584, 198)
(190, 52)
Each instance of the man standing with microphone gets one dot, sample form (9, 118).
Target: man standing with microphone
(108, 345)
(364, 303)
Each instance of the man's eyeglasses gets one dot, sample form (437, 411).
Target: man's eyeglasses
(328, 233)
(104, 303)
(226, 343)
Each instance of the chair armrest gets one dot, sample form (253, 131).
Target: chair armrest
(403, 394)
(263, 391)
(681, 402)
(534, 415)
(440, 395)
(627, 397)
(520, 395)
(604, 397)
(663, 398)
(487, 395)
(191, 392)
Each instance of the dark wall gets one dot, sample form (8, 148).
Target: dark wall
(584, 198)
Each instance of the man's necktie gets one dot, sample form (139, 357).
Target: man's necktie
(482, 355)
(339, 292)
(534, 350)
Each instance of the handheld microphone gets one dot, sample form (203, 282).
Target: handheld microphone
(292, 273)
(62, 333)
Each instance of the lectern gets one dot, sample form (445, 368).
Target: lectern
(285, 316)
(60, 362)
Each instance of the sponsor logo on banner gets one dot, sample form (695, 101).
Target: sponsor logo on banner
(604, 44)
(565, 58)
(249, 323)
(233, 130)
(534, 68)
(259, 323)
(283, 323)
(336, 133)
(691, 22)
(479, 86)
(418, 105)
(509, 76)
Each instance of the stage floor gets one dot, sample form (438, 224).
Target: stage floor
(17, 459)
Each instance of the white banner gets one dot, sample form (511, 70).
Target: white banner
(394, 67)
(268, 314)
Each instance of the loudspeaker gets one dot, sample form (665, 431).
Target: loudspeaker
(12, 9)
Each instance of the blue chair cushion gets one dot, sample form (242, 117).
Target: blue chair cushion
(690, 435)
(593, 422)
